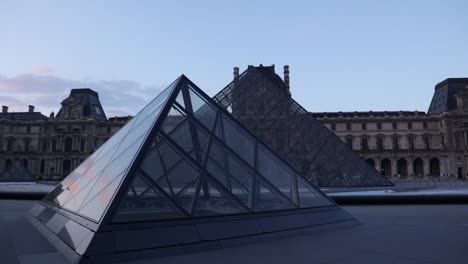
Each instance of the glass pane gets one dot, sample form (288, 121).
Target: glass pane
(191, 138)
(96, 207)
(238, 140)
(213, 202)
(152, 165)
(266, 200)
(157, 102)
(74, 203)
(173, 119)
(309, 197)
(275, 172)
(142, 202)
(203, 111)
(115, 169)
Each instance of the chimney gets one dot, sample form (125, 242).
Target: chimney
(236, 72)
(286, 76)
(31, 108)
(4, 109)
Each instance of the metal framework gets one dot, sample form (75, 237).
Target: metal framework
(182, 158)
(261, 102)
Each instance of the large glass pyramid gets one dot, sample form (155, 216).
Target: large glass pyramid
(182, 158)
(16, 172)
(261, 102)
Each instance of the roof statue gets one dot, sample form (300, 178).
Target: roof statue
(182, 172)
(260, 100)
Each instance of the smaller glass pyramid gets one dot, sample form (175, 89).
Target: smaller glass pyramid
(16, 172)
(182, 156)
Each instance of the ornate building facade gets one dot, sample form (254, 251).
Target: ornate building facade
(408, 143)
(51, 147)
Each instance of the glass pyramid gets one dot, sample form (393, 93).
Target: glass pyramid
(259, 100)
(182, 156)
(17, 173)
(180, 170)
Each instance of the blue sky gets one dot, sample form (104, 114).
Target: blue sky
(343, 55)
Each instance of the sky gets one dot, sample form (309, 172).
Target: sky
(343, 55)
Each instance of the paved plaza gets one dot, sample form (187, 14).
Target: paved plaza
(387, 234)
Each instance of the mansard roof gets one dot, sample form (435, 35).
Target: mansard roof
(444, 99)
(82, 103)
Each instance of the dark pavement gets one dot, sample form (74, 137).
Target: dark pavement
(387, 234)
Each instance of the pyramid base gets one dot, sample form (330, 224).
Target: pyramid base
(130, 241)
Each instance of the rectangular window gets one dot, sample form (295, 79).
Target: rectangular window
(394, 125)
(364, 145)
(411, 143)
(364, 126)
(395, 143)
(410, 125)
(348, 126)
(425, 125)
(379, 126)
(441, 124)
(108, 130)
(380, 145)
(427, 142)
(333, 127)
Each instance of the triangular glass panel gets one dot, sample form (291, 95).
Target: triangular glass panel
(308, 197)
(213, 201)
(266, 200)
(141, 201)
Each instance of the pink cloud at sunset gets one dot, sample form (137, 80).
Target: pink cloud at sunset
(41, 69)
(46, 92)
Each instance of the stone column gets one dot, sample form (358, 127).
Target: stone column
(426, 166)
(377, 164)
(410, 167)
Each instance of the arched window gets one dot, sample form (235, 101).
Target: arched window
(434, 166)
(68, 144)
(418, 167)
(386, 167)
(402, 167)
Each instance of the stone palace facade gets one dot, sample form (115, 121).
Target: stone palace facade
(51, 147)
(408, 143)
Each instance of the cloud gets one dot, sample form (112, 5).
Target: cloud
(41, 69)
(46, 92)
